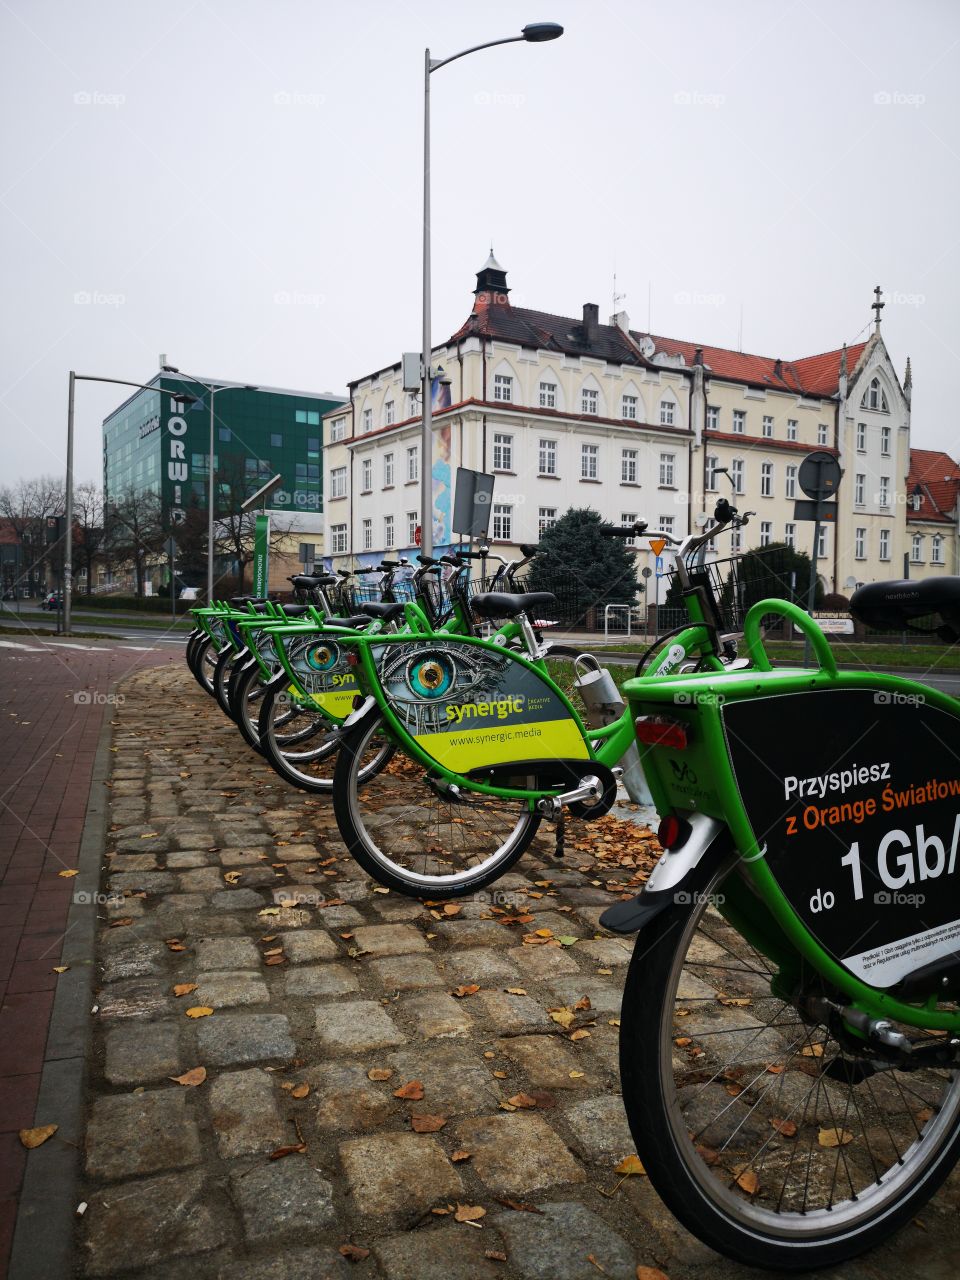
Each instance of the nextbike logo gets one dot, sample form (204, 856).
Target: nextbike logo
(503, 707)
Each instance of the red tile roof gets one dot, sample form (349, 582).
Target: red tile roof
(938, 477)
(811, 376)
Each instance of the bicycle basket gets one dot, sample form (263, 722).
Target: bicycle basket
(737, 582)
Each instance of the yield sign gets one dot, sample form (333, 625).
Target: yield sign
(657, 545)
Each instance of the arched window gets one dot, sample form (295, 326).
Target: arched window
(591, 397)
(875, 397)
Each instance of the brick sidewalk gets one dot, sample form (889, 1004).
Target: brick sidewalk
(50, 737)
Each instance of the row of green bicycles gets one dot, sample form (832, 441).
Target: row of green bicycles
(790, 1033)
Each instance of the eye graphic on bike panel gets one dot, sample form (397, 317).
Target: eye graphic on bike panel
(430, 677)
(320, 669)
(322, 657)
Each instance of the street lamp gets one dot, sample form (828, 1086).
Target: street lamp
(533, 33)
(169, 368)
(68, 506)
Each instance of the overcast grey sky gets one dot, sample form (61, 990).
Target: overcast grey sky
(237, 183)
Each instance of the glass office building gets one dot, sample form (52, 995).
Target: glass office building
(160, 440)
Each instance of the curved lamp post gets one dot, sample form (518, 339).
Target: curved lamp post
(533, 33)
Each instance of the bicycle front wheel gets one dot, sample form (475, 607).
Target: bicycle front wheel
(411, 834)
(766, 1136)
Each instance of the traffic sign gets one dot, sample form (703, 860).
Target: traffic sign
(656, 546)
(416, 536)
(825, 512)
(646, 573)
(660, 564)
(819, 475)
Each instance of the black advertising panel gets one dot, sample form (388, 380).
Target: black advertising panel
(855, 795)
(472, 503)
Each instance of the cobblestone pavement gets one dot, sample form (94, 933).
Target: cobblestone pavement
(53, 699)
(352, 1033)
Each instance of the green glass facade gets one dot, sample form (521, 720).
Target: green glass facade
(160, 440)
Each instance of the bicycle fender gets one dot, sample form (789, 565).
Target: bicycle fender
(666, 883)
(356, 716)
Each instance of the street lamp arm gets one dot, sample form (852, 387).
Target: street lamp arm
(120, 382)
(437, 63)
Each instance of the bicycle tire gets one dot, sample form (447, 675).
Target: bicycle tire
(221, 678)
(354, 800)
(247, 690)
(205, 660)
(680, 1159)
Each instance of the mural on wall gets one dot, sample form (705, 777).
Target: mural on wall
(442, 481)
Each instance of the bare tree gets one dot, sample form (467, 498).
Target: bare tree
(26, 507)
(235, 529)
(88, 524)
(135, 530)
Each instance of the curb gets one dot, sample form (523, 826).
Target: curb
(43, 1242)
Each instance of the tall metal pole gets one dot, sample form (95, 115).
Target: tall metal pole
(210, 493)
(426, 412)
(68, 531)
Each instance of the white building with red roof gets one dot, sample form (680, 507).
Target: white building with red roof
(933, 506)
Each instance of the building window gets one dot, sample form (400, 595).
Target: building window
(861, 437)
(766, 480)
(389, 413)
(885, 441)
(388, 533)
(546, 518)
(736, 474)
(667, 470)
(310, 417)
(860, 544)
(413, 404)
(589, 461)
(736, 541)
(739, 421)
(276, 441)
(257, 469)
(628, 518)
(589, 401)
(366, 534)
(713, 418)
(822, 432)
(884, 496)
(822, 544)
(224, 434)
(338, 539)
(628, 466)
(412, 522)
(338, 429)
(766, 533)
(790, 534)
(313, 446)
(502, 452)
(503, 387)
(791, 428)
(502, 522)
(666, 524)
(547, 460)
(388, 470)
(710, 473)
(366, 475)
(767, 427)
(791, 482)
(628, 408)
(548, 395)
(884, 544)
(875, 398)
(338, 482)
(916, 549)
(413, 463)
(667, 411)
(936, 550)
(366, 421)
(859, 489)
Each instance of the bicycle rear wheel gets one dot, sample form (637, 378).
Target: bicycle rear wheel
(768, 1138)
(247, 688)
(409, 833)
(205, 658)
(300, 743)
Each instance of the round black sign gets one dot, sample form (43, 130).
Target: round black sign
(819, 475)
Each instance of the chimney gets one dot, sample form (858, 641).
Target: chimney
(698, 356)
(778, 368)
(621, 320)
(591, 320)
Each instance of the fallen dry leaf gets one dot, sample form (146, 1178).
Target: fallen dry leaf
(37, 1137)
(175, 944)
(294, 1149)
(470, 990)
(191, 1078)
(650, 1273)
(60, 968)
(495, 1255)
(452, 909)
(812, 1050)
(120, 924)
(232, 877)
(834, 1137)
(354, 1252)
(67, 874)
(522, 1100)
(516, 991)
(299, 1091)
(469, 1213)
(501, 1075)
(786, 1127)
(427, 1124)
(747, 1181)
(576, 1075)
(734, 1002)
(199, 1011)
(518, 1205)
(582, 1004)
(379, 1073)
(579, 1034)
(682, 1041)
(459, 1156)
(412, 1091)
(277, 959)
(565, 1017)
(543, 933)
(630, 1165)
(184, 988)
